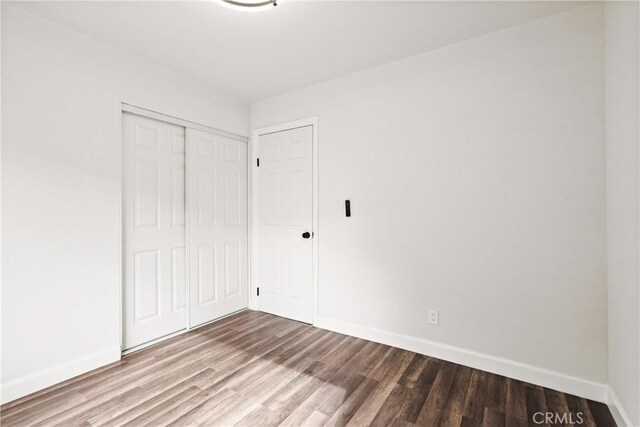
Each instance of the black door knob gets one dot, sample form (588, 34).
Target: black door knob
(306, 235)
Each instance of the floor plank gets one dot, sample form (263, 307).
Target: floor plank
(254, 369)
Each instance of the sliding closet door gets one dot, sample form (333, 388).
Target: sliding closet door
(154, 229)
(217, 217)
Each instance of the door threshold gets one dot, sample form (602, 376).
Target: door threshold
(175, 334)
(152, 342)
(218, 318)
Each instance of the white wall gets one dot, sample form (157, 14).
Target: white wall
(622, 115)
(476, 175)
(61, 191)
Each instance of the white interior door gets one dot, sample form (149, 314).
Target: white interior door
(217, 211)
(284, 223)
(154, 229)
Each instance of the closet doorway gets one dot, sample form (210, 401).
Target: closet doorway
(184, 226)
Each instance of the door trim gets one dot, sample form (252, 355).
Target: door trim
(252, 152)
(180, 122)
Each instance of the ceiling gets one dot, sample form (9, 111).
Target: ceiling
(296, 44)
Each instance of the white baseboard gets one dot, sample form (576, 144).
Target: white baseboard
(485, 362)
(497, 365)
(617, 410)
(37, 381)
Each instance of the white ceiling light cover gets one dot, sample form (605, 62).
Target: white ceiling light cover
(249, 5)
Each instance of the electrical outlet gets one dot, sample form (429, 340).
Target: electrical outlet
(433, 317)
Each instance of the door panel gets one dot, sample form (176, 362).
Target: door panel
(154, 273)
(285, 204)
(178, 279)
(217, 210)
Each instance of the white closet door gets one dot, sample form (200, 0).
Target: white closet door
(217, 210)
(285, 205)
(154, 229)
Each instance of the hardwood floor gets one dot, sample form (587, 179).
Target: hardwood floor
(256, 369)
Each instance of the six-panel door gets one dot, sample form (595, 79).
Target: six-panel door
(217, 209)
(284, 240)
(154, 250)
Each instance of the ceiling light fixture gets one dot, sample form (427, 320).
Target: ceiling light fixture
(249, 5)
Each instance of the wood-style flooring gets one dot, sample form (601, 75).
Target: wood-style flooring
(255, 369)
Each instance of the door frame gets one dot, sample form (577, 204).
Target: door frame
(150, 114)
(252, 152)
